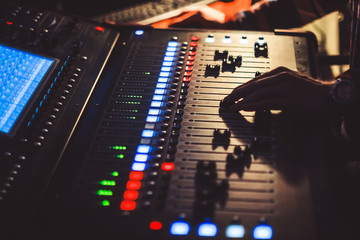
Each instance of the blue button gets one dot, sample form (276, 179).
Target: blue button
(235, 231)
(180, 228)
(207, 230)
(263, 231)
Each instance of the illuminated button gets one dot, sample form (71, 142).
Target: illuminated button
(186, 79)
(143, 149)
(164, 74)
(192, 53)
(169, 59)
(131, 195)
(167, 64)
(133, 185)
(188, 68)
(140, 157)
(162, 85)
(235, 231)
(207, 230)
(148, 133)
(191, 58)
(157, 104)
(153, 111)
(173, 44)
(137, 166)
(166, 69)
(263, 231)
(158, 97)
(128, 205)
(190, 63)
(163, 79)
(187, 74)
(170, 54)
(136, 176)
(155, 225)
(167, 166)
(171, 49)
(179, 228)
(160, 91)
(152, 119)
(99, 28)
(194, 44)
(194, 38)
(139, 32)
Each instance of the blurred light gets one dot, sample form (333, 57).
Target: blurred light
(154, 111)
(139, 32)
(152, 119)
(207, 230)
(155, 225)
(136, 176)
(136, 166)
(167, 166)
(161, 85)
(131, 195)
(127, 205)
(105, 203)
(148, 133)
(171, 49)
(210, 40)
(143, 149)
(158, 97)
(133, 185)
(170, 54)
(157, 104)
(263, 231)
(180, 228)
(163, 79)
(173, 44)
(160, 91)
(235, 231)
(165, 69)
(165, 74)
(167, 64)
(141, 157)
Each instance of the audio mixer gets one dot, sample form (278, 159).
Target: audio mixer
(121, 133)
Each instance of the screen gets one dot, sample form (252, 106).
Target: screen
(21, 73)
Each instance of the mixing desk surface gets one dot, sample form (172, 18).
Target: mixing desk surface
(120, 133)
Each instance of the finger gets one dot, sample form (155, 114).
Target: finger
(184, 19)
(244, 91)
(268, 104)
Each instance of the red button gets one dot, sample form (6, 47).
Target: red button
(188, 68)
(191, 58)
(100, 29)
(194, 38)
(127, 205)
(137, 176)
(167, 166)
(193, 44)
(192, 53)
(133, 185)
(131, 195)
(187, 74)
(155, 225)
(190, 63)
(186, 79)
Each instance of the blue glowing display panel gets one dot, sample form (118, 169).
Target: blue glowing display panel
(20, 74)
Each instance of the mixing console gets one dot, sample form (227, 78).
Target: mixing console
(125, 135)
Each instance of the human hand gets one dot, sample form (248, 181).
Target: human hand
(282, 89)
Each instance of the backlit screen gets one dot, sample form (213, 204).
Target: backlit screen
(21, 73)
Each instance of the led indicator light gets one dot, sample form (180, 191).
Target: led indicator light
(103, 192)
(9, 23)
(167, 166)
(207, 230)
(263, 231)
(121, 156)
(163, 79)
(166, 69)
(168, 64)
(170, 54)
(156, 104)
(105, 203)
(169, 59)
(133, 185)
(148, 133)
(143, 149)
(131, 195)
(158, 97)
(107, 183)
(128, 205)
(115, 174)
(141, 157)
(136, 176)
(235, 231)
(119, 147)
(155, 225)
(179, 228)
(171, 49)
(139, 32)
(152, 119)
(154, 111)
(99, 28)
(136, 166)
(173, 44)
